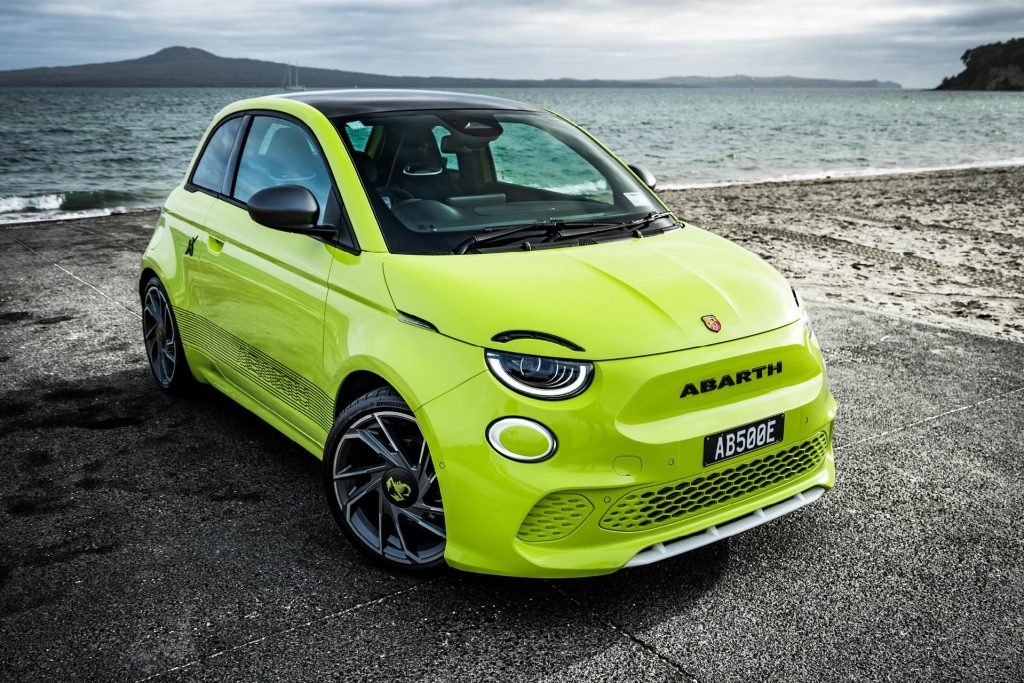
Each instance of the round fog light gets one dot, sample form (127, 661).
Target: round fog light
(518, 438)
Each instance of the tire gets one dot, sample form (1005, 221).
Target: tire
(381, 485)
(162, 341)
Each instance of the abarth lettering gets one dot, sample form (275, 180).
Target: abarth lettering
(712, 383)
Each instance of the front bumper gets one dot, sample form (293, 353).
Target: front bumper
(628, 475)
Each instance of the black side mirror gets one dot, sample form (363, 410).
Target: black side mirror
(644, 175)
(291, 208)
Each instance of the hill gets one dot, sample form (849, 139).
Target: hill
(192, 67)
(997, 66)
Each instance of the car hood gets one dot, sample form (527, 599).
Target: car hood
(617, 299)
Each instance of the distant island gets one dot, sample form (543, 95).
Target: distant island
(192, 67)
(997, 66)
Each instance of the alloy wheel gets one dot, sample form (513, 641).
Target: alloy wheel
(159, 335)
(386, 488)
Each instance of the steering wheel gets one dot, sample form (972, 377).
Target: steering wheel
(393, 195)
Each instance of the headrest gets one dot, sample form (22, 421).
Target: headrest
(420, 146)
(292, 145)
(367, 169)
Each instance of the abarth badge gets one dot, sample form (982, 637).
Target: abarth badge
(712, 323)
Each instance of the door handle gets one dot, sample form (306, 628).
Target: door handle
(215, 245)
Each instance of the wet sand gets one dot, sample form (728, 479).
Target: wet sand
(944, 247)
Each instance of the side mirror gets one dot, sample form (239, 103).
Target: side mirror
(644, 175)
(291, 208)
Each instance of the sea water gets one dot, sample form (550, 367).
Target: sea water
(90, 151)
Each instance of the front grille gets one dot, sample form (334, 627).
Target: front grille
(655, 506)
(555, 516)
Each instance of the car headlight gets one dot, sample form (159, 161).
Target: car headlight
(804, 315)
(539, 377)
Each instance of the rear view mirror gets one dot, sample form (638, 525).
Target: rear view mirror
(486, 128)
(644, 175)
(285, 207)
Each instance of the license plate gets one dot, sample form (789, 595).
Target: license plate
(739, 440)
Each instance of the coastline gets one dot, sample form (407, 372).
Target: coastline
(942, 246)
(862, 174)
(53, 199)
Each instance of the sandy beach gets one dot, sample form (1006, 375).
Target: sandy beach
(944, 247)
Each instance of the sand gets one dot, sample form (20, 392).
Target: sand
(946, 247)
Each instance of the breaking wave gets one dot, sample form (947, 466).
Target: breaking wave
(16, 209)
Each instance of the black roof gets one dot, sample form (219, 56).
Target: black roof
(343, 103)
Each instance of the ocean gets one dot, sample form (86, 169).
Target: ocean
(94, 151)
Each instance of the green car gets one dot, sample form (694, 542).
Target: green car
(510, 356)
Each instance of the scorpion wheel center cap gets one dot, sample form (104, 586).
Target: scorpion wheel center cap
(400, 487)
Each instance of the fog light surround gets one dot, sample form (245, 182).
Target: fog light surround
(521, 439)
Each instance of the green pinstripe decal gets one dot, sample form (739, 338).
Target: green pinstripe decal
(272, 376)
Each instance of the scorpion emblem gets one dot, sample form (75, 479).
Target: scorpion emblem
(398, 490)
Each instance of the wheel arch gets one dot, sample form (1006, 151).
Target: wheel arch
(147, 273)
(356, 384)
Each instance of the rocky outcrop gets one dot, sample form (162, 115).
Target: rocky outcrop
(998, 66)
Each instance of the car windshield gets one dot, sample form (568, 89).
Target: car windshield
(439, 178)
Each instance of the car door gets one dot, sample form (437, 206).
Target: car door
(264, 290)
(185, 213)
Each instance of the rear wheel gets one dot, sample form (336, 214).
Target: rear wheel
(163, 343)
(381, 484)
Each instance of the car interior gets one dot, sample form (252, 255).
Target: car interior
(439, 175)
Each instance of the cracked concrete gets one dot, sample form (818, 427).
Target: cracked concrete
(148, 538)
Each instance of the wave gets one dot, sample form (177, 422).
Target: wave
(62, 205)
(45, 202)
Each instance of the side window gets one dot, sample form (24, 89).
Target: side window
(358, 135)
(522, 156)
(451, 162)
(213, 164)
(278, 152)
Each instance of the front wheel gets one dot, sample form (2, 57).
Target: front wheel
(381, 485)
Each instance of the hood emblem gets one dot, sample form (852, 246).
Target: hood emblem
(712, 323)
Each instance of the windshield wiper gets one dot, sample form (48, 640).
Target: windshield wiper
(549, 228)
(637, 226)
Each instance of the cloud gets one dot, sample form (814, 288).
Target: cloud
(915, 41)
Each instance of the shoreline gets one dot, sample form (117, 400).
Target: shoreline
(866, 174)
(943, 247)
(798, 179)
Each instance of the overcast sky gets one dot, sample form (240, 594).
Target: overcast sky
(914, 42)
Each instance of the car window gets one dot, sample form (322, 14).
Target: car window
(522, 157)
(438, 177)
(213, 164)
(279, 152)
